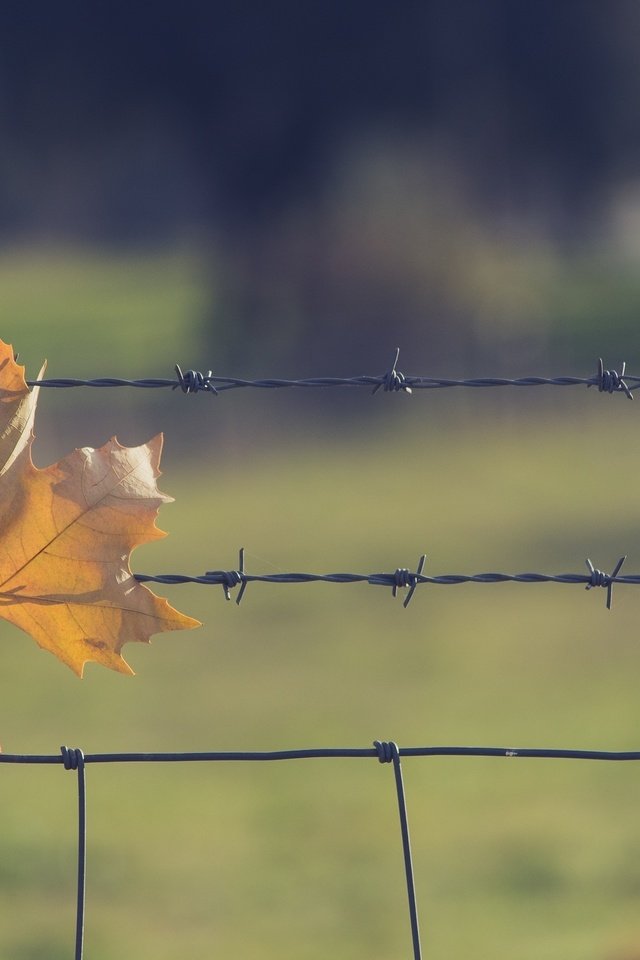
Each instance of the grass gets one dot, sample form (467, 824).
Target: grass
(515, 860)
(101, 314)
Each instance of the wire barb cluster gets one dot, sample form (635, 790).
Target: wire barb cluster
(401, 578)
(610, 381)
(606, 580)
(393, 381)
(192, 381)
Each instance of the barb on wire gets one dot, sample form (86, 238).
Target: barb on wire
(401, 578)
(600, 579)
(405, 578)
(193, 381)
(392, 380)
(232, 578)
(610, 381)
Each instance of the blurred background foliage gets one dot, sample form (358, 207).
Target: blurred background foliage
(463, 173)
(293, 190)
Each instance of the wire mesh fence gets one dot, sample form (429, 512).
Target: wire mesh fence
(386, 752)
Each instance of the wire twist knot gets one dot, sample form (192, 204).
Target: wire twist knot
(72, 759)
(403, 578)
(387, 751)
(407, 578)
(600, 579)
(192, 381)
(393, 380)
(232, 578)
(610, 381)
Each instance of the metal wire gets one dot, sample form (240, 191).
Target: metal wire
(392, 381)
(329, 753)
(388, 753)
(401, 578)
(74, 760)
(384, 751)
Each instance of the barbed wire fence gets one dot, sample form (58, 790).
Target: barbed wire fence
(392, 381)
(402, 578)
(386, 752)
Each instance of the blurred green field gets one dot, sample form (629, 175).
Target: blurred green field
(516, 859)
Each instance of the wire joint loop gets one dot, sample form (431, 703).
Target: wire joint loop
(387, 751)
(73, 759)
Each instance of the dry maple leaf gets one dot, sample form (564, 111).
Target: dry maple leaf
(66, 533)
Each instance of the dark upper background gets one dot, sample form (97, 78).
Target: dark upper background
(454, 176)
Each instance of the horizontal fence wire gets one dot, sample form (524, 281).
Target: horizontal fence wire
(402, 578)
(194, 381)
(383, 751)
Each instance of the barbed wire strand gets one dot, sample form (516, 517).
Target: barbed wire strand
(402, 578)
(384, 751)
(393, 381)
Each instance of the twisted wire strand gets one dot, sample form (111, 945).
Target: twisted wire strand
(194, 381)
(402, 578)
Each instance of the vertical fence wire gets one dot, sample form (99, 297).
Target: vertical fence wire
(389, 753)
(74, 760)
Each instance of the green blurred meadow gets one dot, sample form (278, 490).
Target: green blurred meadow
(517, 859)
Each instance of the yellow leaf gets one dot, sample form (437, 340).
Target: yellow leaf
(66, 534)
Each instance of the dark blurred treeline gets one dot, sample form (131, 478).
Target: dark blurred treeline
(363, 173)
